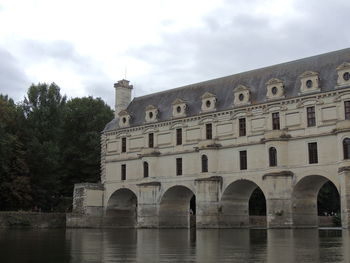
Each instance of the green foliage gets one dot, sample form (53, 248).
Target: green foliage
(15, 191)
(84, 119)
(46, 145)
(44, 108)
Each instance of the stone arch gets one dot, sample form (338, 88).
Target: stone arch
(174, 207)
(121, 210)
(304, 200)
(234, 203)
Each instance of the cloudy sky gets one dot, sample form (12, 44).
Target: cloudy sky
(85, 46)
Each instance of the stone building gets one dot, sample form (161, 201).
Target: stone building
(284, 129)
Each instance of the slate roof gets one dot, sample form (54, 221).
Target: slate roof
(289, 73)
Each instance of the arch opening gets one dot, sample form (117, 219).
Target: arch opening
(243, 204)
(122, 209)
(315, 202)
(177, 208)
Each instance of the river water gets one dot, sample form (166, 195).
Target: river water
(170, 245)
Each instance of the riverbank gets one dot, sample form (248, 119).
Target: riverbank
(32, 220)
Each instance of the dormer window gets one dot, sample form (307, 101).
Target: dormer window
(343, 75)
(124, 119)
(179, 108)
(208, 102)
(151, 113)
(274, 89)
(241, 95)
(309, 82)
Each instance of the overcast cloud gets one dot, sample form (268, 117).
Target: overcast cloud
(160, 45)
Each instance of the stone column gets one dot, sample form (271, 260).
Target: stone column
(87, 206)
(279, 199)
(344, 179)
(147, 207)
(208, 201)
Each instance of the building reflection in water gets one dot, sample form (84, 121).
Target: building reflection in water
(209, 245)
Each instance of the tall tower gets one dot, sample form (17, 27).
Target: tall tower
(122, 95)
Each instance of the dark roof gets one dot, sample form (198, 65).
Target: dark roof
(222, 88)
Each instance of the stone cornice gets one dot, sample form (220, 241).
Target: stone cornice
(150, 184)
(209, 179)
(344, 169)
(278, 174)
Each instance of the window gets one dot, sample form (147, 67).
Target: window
(243, 160)
(123, 145)
(311, 119)
(346, 148)
(178, 166)
(272, 156)
(313, 158)
(145, 169)
(242, 128)
(178, 136)
(204, 163)
(275, 121)
(123, 172)
(347, 110)
(150, 140)
(208, 131)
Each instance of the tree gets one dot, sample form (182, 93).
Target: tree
(43, 109)
(84, 119)
(15, 190)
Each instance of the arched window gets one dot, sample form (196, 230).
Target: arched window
(346, 148)
(272, 156)
(145, 169)
(204, 163)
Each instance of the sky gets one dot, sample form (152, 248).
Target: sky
(85, 46)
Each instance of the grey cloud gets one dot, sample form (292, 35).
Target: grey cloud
(63, 54)
(234, 41)
(13, 80)
(60, 52)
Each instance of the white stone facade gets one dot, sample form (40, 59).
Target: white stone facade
(287, 123)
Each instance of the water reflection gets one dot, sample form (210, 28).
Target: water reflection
(175, 245)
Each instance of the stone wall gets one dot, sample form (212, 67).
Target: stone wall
(32, 220)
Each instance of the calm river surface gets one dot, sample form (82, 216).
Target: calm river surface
(229, 245)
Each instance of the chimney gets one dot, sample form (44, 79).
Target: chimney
(122, 96)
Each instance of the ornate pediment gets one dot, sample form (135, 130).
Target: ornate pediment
(123, 113)
(150, 107)
(345, 65)
(208, 95)
(308, 74)
(240, 87)
(274, 81)
(178, 101)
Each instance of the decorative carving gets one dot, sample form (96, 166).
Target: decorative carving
(208, 102)
(179, 108)
(309, 82)
(151, 114)
(124, 119)
(274, 89)
(343, 71)
(241, 95)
